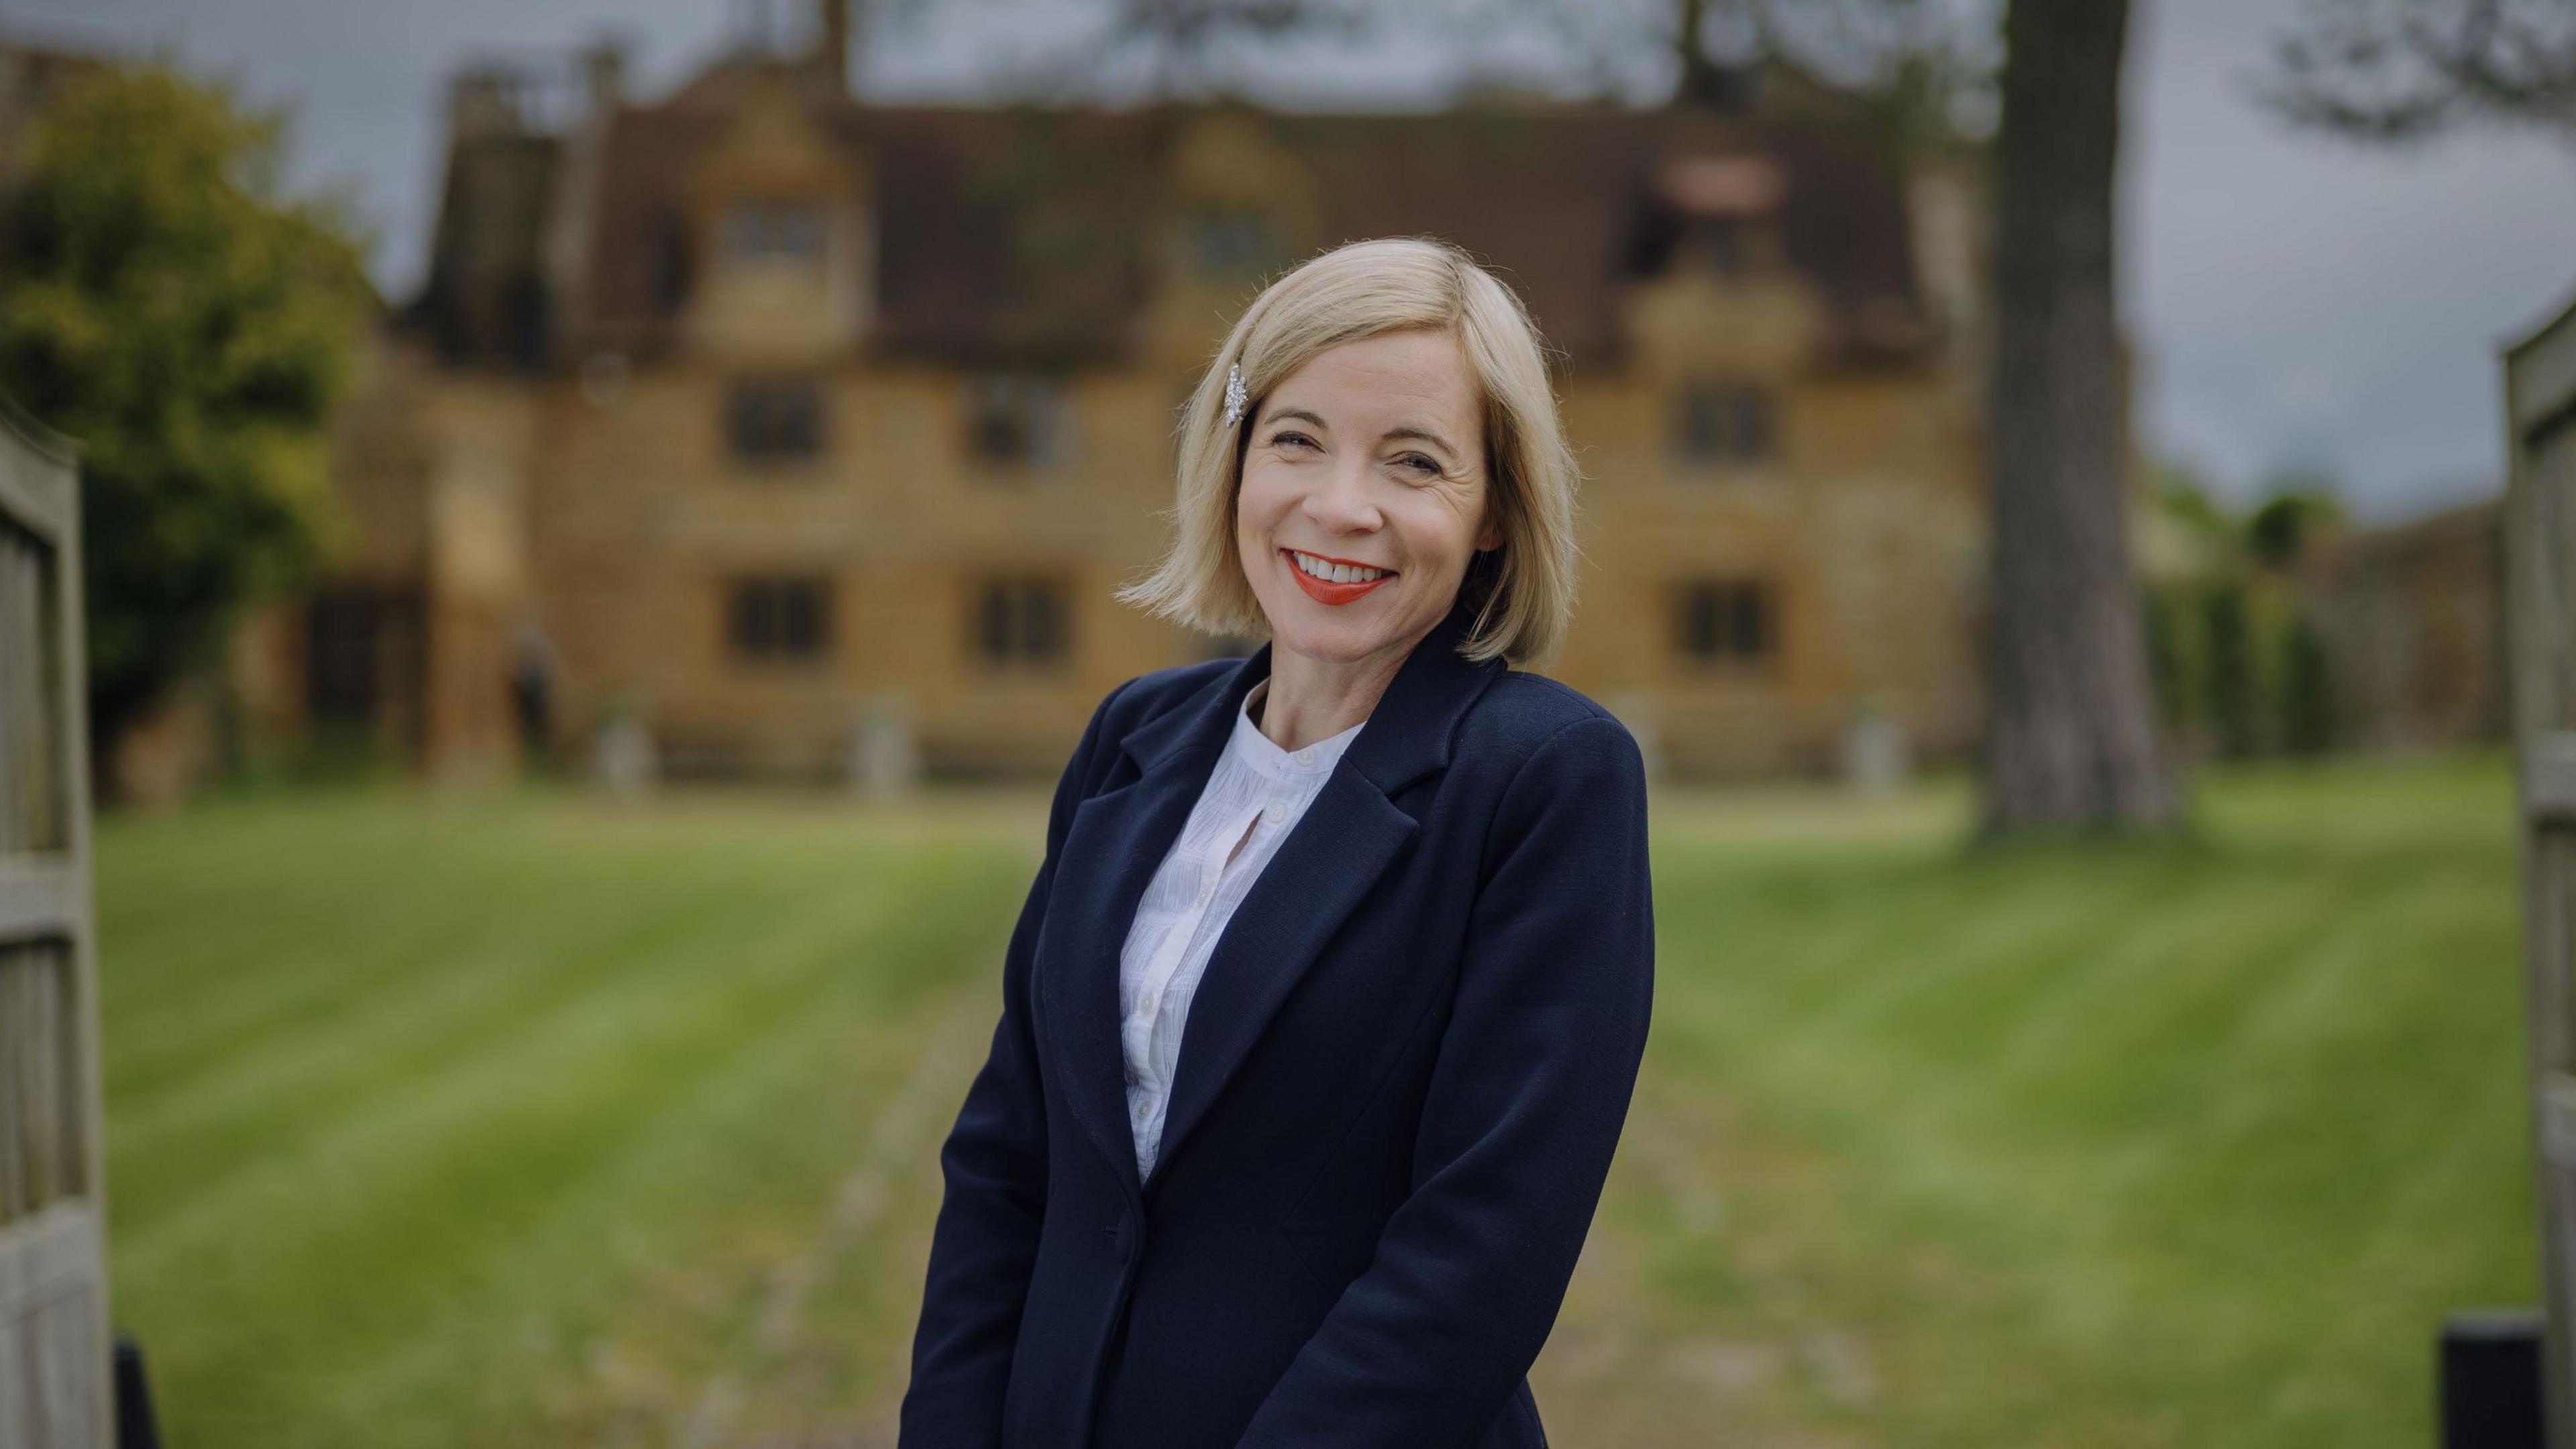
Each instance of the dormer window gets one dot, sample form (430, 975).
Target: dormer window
(1721, 213)
(773, 233)
(778, 214)
(1738, 186)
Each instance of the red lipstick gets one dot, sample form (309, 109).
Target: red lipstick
(1323, 592)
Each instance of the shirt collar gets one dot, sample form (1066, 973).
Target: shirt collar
(1298, 767)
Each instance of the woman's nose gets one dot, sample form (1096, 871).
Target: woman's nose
(1341, 502)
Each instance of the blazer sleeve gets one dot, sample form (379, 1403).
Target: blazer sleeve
(995, 1165)
(1523, 1109)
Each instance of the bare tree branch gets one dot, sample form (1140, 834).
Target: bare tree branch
(1172, 48)
(1929, 64)
(2408, 70)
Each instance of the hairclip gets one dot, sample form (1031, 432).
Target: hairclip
(1234, 394)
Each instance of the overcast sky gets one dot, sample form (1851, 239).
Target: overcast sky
(2298, 301)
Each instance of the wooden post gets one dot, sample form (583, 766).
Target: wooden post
(2540, 584)
(54, 1377)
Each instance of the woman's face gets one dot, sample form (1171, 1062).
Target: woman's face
(1368, 462)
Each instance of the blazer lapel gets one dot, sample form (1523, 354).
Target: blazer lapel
(1321, 873)
(1111, 850)
(1345, 841)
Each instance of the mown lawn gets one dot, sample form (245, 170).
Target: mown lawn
(535, 1121)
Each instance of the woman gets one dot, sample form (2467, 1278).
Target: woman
(1321, 1020)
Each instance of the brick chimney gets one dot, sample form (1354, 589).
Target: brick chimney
(603, 67)
(483, 102)
(831, 57)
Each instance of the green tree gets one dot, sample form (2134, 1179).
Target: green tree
(2184, 497)
(2235, 706)
(2302, 507)
(2169, 659)
(2307, 693)
(162, 303)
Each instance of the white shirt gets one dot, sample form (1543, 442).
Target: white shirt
(1253, 798)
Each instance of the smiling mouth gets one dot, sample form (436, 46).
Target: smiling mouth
(1330, 581)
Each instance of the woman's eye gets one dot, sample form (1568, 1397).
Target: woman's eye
(1291, 439)
(1419, 463)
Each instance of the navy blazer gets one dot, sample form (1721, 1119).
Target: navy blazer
(1399, 1088)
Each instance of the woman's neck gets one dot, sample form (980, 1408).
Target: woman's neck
(1316, 699)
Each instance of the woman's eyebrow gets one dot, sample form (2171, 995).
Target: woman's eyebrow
(1301, 415)
(1422, 434)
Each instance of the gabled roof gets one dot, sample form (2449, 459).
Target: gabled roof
(485, 298)
(1036, 235)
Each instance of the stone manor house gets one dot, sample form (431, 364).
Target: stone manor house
(776, 432)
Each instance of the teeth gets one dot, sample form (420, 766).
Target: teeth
(1332, 572)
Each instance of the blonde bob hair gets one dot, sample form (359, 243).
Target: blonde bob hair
(1522, 592)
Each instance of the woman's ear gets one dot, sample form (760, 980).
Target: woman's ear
(1489, 535)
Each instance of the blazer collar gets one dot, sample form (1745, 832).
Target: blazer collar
(1408, 734)
(1347, 838)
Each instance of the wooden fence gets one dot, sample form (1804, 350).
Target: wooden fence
(54, 1379)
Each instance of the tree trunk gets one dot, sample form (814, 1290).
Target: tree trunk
(1703, 81)
(2071, 733)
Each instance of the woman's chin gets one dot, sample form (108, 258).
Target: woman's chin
(1329, 641)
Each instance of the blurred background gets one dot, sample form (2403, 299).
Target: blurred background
(598, 531)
